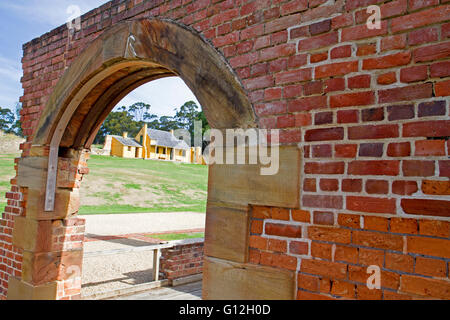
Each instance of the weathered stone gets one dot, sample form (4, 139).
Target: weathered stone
(40, 268)
(67, 203)
(32, 235)
(224, 280)
(19, 290)
(243, 184)
(227, 232)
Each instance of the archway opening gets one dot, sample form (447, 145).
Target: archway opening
(145, 193)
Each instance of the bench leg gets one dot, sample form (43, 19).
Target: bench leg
(156, 256)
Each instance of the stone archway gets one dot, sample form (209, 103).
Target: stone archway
(121, 59)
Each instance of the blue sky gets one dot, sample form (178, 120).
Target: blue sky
(24, 20)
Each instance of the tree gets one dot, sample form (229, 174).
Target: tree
(140, 111)
(7, 119)
(16, 128)
(116, 123)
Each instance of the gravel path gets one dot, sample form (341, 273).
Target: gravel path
(107, 273)
(118, 224)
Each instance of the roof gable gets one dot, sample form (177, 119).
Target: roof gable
(167, 139)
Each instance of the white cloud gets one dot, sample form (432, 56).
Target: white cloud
(50, 12)
(10, 88)
(164, 95)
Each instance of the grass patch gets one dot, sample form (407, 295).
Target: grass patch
(176, 236)
(123, 209)
(133, 186)
(6, 173)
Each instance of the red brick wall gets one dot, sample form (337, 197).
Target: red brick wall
(370, 108)
(182, 260)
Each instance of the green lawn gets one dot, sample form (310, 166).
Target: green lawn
(116, 185)
(7, 172)
(176, 236)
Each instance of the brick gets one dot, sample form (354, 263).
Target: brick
(389, 61)
(387, 78)
(420, 19)
(323, 202)
(430, 148)
(257, 227)
(343, 289)
(371, 150)
(435, 228)
(308, 282)
(277, 245)
(364, 293)
(410, 93)
(347, 116)
(258, 242)
(344, 20)
(368, 257)
(280, 214)
(401, 149)
(359, 82)
(297, 61)
(399, 262)
(378, 240)
(376, 223)
(320, 27)
(430, 267)
(440, 69)
(404, 187)
(321, 250)
(299, 32)
(327, 134)
(337, 84)
(324, 168)
(436, 187)
(432, 108)
(283, 230)
(271, 108)
(438, 128)
(419, 4)
(345, 150)
(324, 268)
(418, 168)
(400, 112)
(393, 42)
(362, 32)
(349, 220)
(317, 57)
(421, 36)
(259, 212)
(374, 167)
(346, 254)
(413, 74)
(298, 247)
(377, 187)
(352, 185)
(302, 119)
(352, 99)
(444, 168)
(373, 132)
(293, 76)
(426, 207)
(403, 225)
(335, 69)
(323, 118)
(341, 52)
(322, 151)
(442, 89)
(310, 185)
(307, 104)
(329, 234)
(425, 287)
(366, 49)
(323, 218)
(316, 42)
(301, 215)
(371, 205)
(432, 52)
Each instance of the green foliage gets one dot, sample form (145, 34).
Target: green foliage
(131, 119)
(10, 121)
(176, 236)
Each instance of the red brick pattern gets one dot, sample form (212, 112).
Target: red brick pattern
(369, 108)
(182, 261)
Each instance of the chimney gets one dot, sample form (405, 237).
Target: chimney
(145, 128)
(125, 135)
(172, 132)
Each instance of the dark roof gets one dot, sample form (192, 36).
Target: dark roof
(167, 139)
(127, 141)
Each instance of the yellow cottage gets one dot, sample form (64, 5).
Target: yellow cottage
(153, 144)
